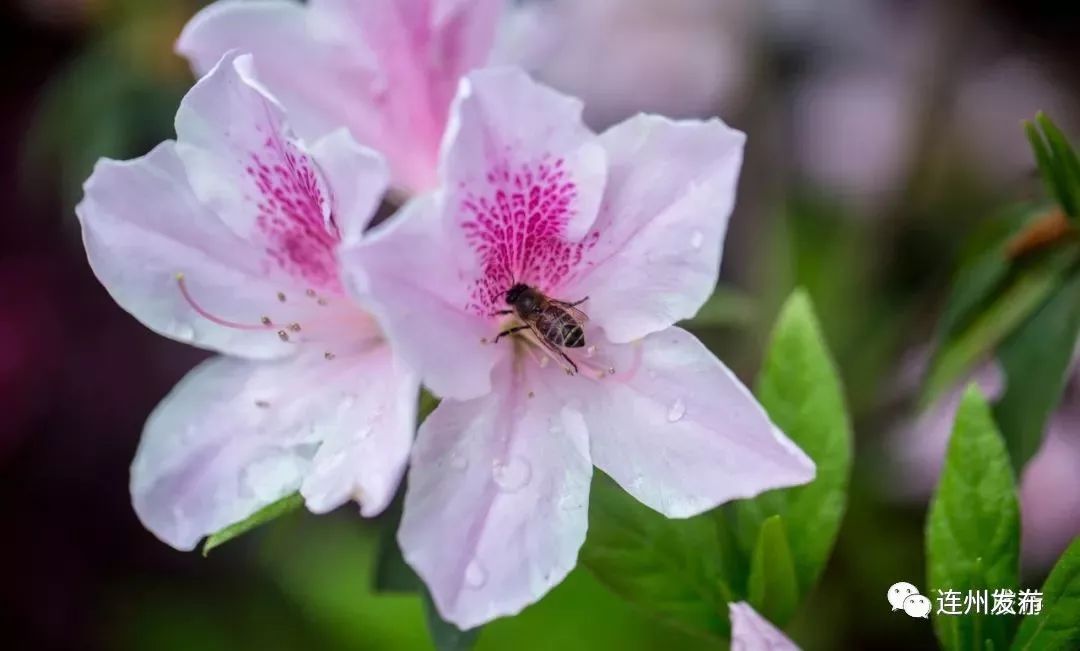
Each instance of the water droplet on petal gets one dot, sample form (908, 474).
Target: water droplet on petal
(184, 332)
(697, 239)
(475, 575)
(511, 475)
(458, 462)
(590, 351)
(676, 411)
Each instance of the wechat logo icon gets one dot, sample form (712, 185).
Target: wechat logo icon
(905, 596)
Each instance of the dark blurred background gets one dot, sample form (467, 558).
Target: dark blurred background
(881, 134)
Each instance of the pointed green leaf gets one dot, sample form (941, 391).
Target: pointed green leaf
(774, 590)
(270, 512)
(1035, 360)
(973, 528)
(1048, 169)
(686, 571)
(800, 388)
(984, 267)
(1019, 297)
(1064, 161)
(1057, 627)
(678, 570)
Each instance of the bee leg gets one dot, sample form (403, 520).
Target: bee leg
(570, 362)
(576, 303)
(502, 312)
(509, 331)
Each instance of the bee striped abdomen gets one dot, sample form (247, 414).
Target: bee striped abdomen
(560, 328)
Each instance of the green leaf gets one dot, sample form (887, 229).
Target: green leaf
(677, 569)
(1058, 163)
(1065, 161)
(687, 571)
(774, 590)
(984, 266)
(1047, 169)
(444, 635)
(268, 513)
(1028, 288)
(800, 389)
(973, 528)
(1035, 360)
(1058, 626)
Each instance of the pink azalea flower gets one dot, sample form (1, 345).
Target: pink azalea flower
(226, 239)
(752, 632)
(386, 69)
(628, 224)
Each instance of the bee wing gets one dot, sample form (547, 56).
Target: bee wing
(578, 315)
(555, 351)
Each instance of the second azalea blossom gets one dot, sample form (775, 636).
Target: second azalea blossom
(227, 239)
(627, 225)
(385, 69)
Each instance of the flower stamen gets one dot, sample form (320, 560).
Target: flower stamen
(266, 324)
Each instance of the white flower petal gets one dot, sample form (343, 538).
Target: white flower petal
(496, 507)
(670, 190)
(234, 436)
(752, 632)
(676, 429)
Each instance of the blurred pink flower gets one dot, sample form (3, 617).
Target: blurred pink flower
(681, 58)
(752, 632)
(1050, 483)
(226, 239)
(861, 107)
(385, 69)
(634, 221)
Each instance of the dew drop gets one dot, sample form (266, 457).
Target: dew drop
(475, 575)
(544, 361)
(697, 239)
(677, 411)
(590, 351)
(511, 475)
(185, 332)
(458, 462)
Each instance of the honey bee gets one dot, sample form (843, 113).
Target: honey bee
(556, 324)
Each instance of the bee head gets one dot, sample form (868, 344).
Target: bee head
(515, 292)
